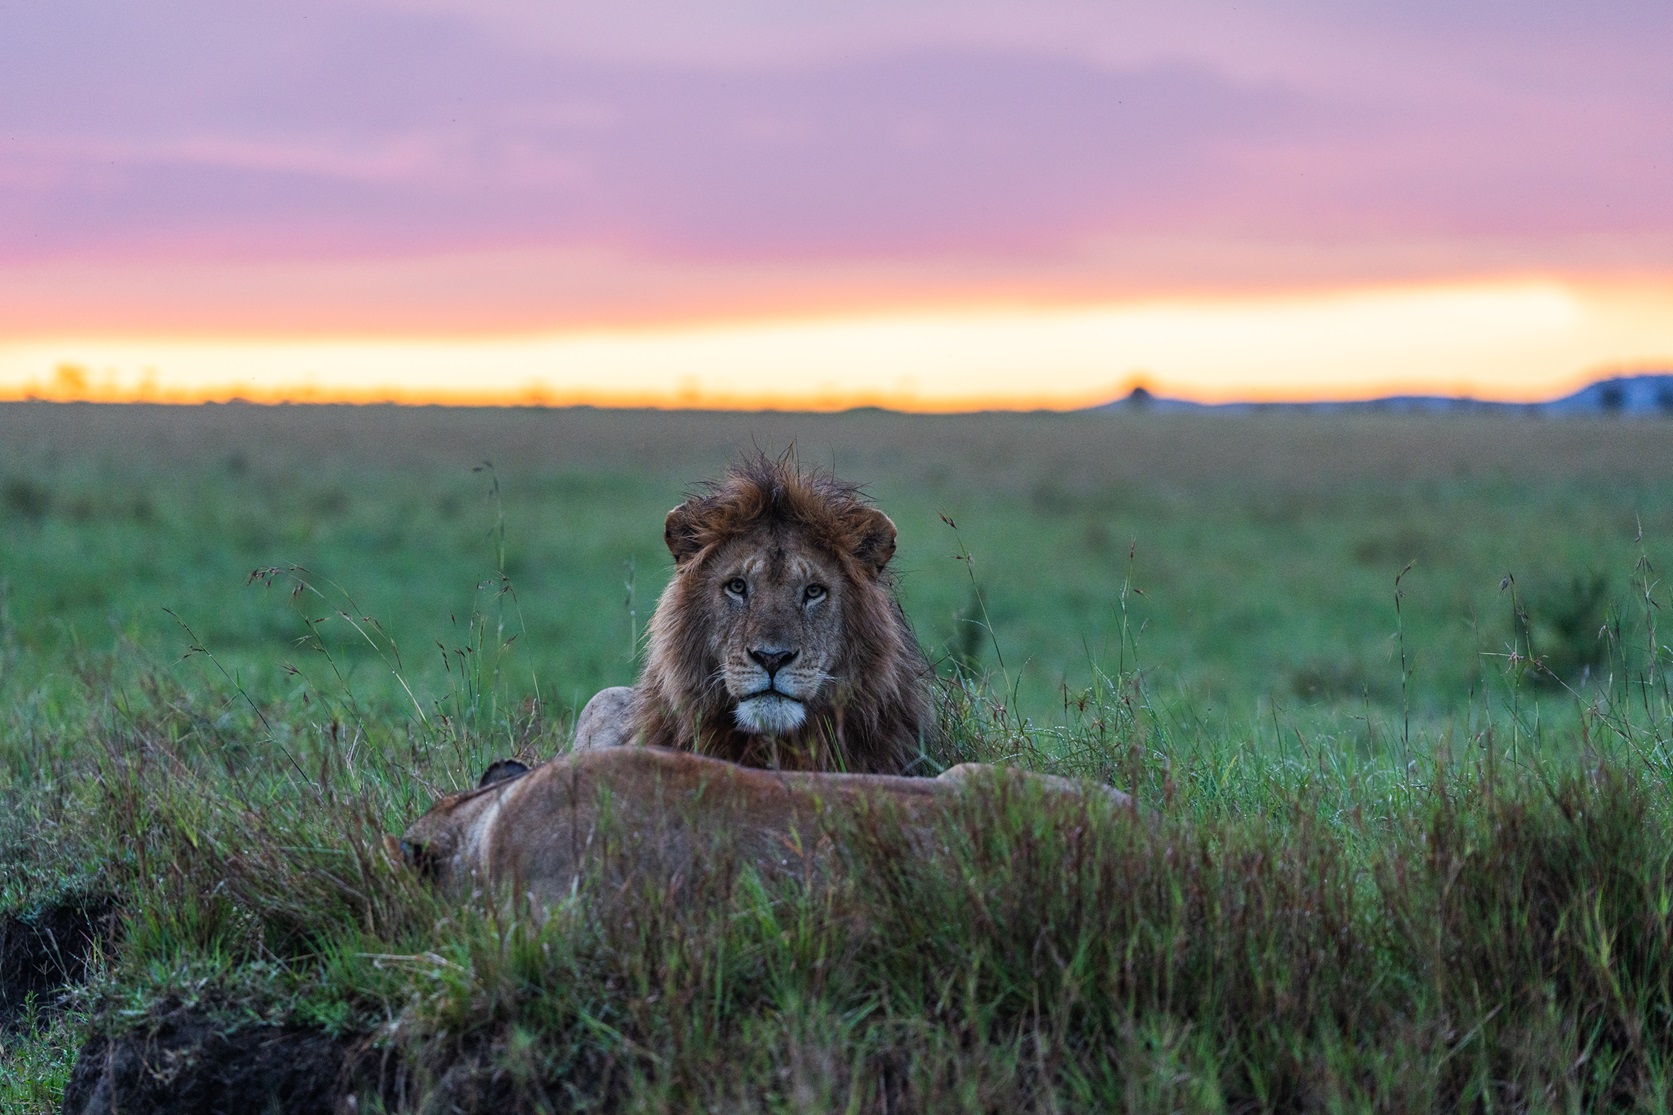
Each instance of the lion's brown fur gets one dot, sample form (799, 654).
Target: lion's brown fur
(875, 715)
(631, 811)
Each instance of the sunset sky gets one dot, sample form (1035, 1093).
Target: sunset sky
(914, 203)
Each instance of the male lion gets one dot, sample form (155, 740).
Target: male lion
(629, 811)
(779, 642)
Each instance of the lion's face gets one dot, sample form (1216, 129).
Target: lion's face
(776, 630)
(779, 642)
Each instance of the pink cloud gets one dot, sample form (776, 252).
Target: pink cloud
(195, 130)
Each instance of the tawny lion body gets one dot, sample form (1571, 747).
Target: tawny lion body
(778, 642)
(631, 810)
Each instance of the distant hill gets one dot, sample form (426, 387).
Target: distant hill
(1650, 394)
(1641, 394)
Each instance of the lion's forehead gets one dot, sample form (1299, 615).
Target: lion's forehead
(779, 567)
(776, 561)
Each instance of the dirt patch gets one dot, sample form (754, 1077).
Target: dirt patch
(185, 1062)
(46, 952)
(476, 1081)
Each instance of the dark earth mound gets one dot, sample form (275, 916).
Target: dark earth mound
(184, 1062)
(43, 953)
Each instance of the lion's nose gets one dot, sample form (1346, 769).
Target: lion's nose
(772, 661)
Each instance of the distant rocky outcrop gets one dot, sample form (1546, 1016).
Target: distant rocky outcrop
(1651, 393)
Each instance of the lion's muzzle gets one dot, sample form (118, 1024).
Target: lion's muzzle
(770, 712)
(771, 687)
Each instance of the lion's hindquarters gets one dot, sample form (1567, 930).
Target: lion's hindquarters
(1049, 786)
(606, 721)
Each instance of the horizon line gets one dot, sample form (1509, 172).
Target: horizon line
(1138, 396)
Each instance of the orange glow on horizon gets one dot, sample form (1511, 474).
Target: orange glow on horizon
(1524, 341)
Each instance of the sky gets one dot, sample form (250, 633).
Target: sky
(914, 203)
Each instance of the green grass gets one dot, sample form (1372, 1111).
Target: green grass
(1385, 860)
(1265, 547)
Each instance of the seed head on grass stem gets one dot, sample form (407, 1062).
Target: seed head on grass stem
(1405, 667)
(969, 561)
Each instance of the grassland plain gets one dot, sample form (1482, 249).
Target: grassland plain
(1406, 837)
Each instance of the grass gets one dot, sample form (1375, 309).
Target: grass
(1396, 852)
(1266, 546)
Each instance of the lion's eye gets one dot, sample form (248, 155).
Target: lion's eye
(813, 592)
(737, 586)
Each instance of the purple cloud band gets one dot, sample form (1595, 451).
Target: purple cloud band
(231, 131)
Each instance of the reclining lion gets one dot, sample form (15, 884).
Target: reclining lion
(631, 810)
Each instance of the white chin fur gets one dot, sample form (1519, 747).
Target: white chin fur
(770, 715)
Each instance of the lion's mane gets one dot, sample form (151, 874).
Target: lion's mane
(876, 715)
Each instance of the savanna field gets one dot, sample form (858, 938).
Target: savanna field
(1391, 692)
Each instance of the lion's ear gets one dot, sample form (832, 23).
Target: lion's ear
(682, 530)
(501, 770)
(874, 537)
